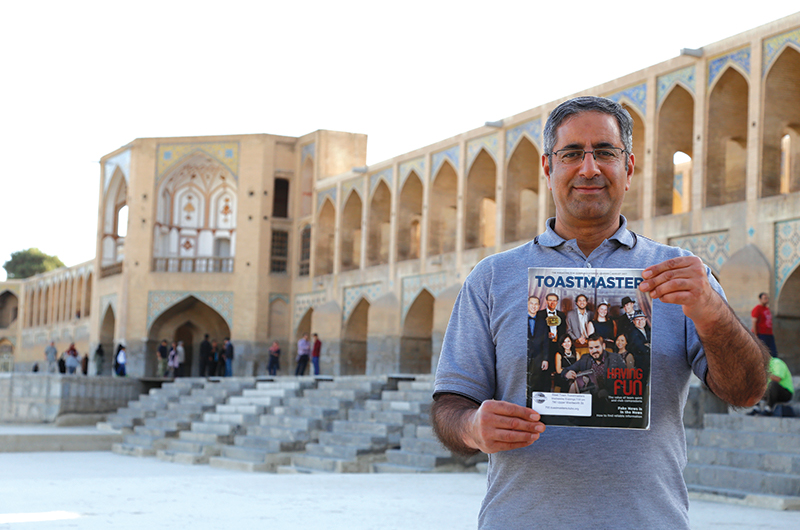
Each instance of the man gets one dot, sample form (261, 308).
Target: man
(639, 342)
(625, 319)
(51, 354)
(228, 355)
(553, 326)
(303, 350)
(205, 355)
(315, 353)
(539, 365)
(162, 356)
(588, 164)
(577, 320)
(762, 323)
(598, 362)
(181, 359)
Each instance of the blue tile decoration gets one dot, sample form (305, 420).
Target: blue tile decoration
(435, 283)
(438, 159)
(171, 155)
(774, 46)
(635, 95)
(386, 175)
(105, 302)
(354, 293)
(713, 248)
(308, 150)
(740, 58)
(531, 129)
(160, 301)
(417, 166)
(322, 195)
(487, 143)
(356, 184)
(279, 296)
(305, 301)
(751, 232)
(677, 183)
(787, 251)
(684, 76)
(121, 161)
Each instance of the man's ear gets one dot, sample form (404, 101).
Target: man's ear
(546, 167)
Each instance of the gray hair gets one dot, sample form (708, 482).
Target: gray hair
(588, 104)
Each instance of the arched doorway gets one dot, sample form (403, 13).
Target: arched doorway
(786, 321)
(354, 342)
(415, 344)
(9, 307)
(107, 328)
(188, 320)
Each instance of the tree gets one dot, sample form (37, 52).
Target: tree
(26, 263)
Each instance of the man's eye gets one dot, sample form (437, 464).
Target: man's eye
(571, 154)
(605, 153)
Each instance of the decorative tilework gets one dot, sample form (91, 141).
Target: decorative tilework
(787, 251)
(304, 301)
(159, 301)
(331, 192)
(713, 248)
(355, 184)
(354, 293)
(684, 76)
(532, 130)
(774, 46)
(417, 166)
(435, 283)
(387, 175)
(741, 58)
(438, 159)
(108, 300)
(635, 95)
(121, 161)
(751, 232)
(309, 150)
(170, 155)
(278, 296)
(488, 143)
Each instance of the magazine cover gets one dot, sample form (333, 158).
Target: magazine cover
(589, 347)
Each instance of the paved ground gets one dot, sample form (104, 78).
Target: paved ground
(101, 490)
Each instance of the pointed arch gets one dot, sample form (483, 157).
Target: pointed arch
(324, 237)
(278, 322)
(115, 201)
(442, 209)
(780, 147)
(675, 133)
(786, 321)
(350, 233)
(379, 223)
(522, 193)
(726, 140)
(409, 221)
(480, 217)
(9, 308)
(416, 349)
(354, 340)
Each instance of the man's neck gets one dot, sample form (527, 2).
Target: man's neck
(588, 235)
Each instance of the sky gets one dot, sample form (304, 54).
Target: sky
(81, 79)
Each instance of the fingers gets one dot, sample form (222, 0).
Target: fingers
(678, 280)
(500, 426)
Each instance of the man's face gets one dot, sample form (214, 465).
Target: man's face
(596, 349)
(581, 302)
(629, 307)
(764, 299)
(640, 322)
(533, 306)
(588, 193)
(552, 302)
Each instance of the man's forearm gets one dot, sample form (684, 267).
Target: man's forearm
(449, 415)
(737, 360)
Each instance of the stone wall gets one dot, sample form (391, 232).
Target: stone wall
(41, 398)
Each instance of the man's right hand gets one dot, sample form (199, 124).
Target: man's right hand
(501, 426)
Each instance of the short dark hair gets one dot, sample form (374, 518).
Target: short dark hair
(551, 294)
(582, 104)
(762, 294)
(595, 337)
(581, 296)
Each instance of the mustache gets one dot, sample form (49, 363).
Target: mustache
(589, 183)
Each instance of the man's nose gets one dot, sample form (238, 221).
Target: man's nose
(589, 167)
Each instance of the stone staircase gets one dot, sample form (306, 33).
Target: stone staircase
(263, 444)
(148, 405)
(751, 460)
(176, 414)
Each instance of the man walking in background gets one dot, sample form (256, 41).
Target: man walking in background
(762, 323)
(315, 353)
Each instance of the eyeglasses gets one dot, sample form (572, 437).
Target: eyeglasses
(602, 155)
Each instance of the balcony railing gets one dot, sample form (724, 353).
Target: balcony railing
(193, 264)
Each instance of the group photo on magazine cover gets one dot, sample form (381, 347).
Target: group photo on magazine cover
(589, 347)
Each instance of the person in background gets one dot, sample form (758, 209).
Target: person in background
(762, 323)
(315, 353)
(51, 355)
(121, 360)
(274, 363)
(181, 359)
(303, 351)
(227, 354)
(99, 359)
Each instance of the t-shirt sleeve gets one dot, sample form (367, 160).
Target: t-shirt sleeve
(467, 361)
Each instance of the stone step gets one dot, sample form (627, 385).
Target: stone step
(179, 457)
(763, 441)
(195, 448)
(319, 401)
(167, 424)
(265, 444)
(424, 446)
(232, 408)
(283, 434)
(344, 452)
(247, 454)
(219, 429)
(341, 394)
(388, 417)
(208, 401)
(288, 385)
(422, 396)
(388, 467)
(365, 441)
(733, 496)
(264, 401)
(329, 465)
(414, 407)
(231, 418)
(132, 450)
(270, 392)
(205, 437)
(377, 429)
(417, 460)
(746, 459)
(194, 408)
(319, 413)
(146, 439)
(269, 465)
(291, 422)
(417, 386)
(756, 424)
(749, 480)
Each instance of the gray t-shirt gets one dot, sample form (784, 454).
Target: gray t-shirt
(573, 477)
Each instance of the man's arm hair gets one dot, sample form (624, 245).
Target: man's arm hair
(737, 360)
(449, 414)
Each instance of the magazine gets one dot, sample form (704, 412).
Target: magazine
(589, 347)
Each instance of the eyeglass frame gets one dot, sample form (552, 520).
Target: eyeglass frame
(592, 152)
